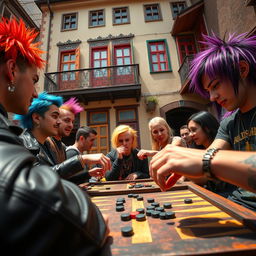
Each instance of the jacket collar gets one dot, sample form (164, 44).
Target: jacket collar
(3, 111)
(5, 123)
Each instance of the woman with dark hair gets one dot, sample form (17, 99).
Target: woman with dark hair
(203, 128)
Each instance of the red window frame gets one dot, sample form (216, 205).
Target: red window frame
(69, 62)
(122, 58)
(69, 80)
(158, 52)
(123, 74)
(101, 59)
(100, 74)
(186, 46)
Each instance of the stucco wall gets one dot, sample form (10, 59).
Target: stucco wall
(229, 16)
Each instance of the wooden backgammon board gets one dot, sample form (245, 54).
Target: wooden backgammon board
(122, 187)
(199, 222)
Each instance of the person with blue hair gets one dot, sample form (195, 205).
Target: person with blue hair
(40, 106)
(42, 121)
(224, 72)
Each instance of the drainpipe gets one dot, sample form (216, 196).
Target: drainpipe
(49, 34)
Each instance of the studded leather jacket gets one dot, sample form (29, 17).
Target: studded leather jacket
(42, 214)
(42, 152)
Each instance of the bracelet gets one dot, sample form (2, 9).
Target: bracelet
(208, 156)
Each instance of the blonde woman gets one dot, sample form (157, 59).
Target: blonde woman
(161, 135)
(125, 163)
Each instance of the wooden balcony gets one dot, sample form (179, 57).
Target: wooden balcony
(184, 72)
(108, 83)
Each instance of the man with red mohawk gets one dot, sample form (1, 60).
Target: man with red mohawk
(68, 110)
(41, 214)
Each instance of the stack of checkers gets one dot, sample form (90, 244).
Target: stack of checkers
(134, 185)
(154, 209)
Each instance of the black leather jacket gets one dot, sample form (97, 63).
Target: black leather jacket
(41, 214)
(140, 167)
(65, 170)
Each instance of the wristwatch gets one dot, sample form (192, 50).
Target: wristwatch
(208, 156)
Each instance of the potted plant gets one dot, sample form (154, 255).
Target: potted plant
(151, 102)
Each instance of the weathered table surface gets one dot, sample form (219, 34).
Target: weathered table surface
(211, 225)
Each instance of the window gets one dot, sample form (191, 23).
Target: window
(186, 46)
(126, 115)
(6, 13)
(99, 60)
(69, 60)
(69, 21)
(123, 57)
(152, 12)
(158, 56)
(121, 15)
(98, 120)
(177, 7)
(96, 18)
(129, 116)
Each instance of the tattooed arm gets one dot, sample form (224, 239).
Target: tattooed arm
(238, 168)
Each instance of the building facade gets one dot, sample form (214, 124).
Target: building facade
(15, 9)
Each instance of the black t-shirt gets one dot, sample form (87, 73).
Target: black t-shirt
(234, 129)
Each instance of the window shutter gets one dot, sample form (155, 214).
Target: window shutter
(77, 64)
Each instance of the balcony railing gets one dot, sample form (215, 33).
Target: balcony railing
(184, 68)
(92, 78)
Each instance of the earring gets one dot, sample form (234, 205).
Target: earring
(11, 87)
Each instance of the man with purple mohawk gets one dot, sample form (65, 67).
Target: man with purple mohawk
(68, 110)
(224, 72)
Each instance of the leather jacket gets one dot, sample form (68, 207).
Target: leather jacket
(140, 167)
(42, 214)
(65, 170)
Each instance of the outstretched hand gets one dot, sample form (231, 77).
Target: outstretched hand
(97, 172)
(97, 159)
(175, 161)
(143, 153)
(132, 176)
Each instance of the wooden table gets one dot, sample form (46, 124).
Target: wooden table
(211, 225)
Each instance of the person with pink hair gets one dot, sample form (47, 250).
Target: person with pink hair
(68, 110)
